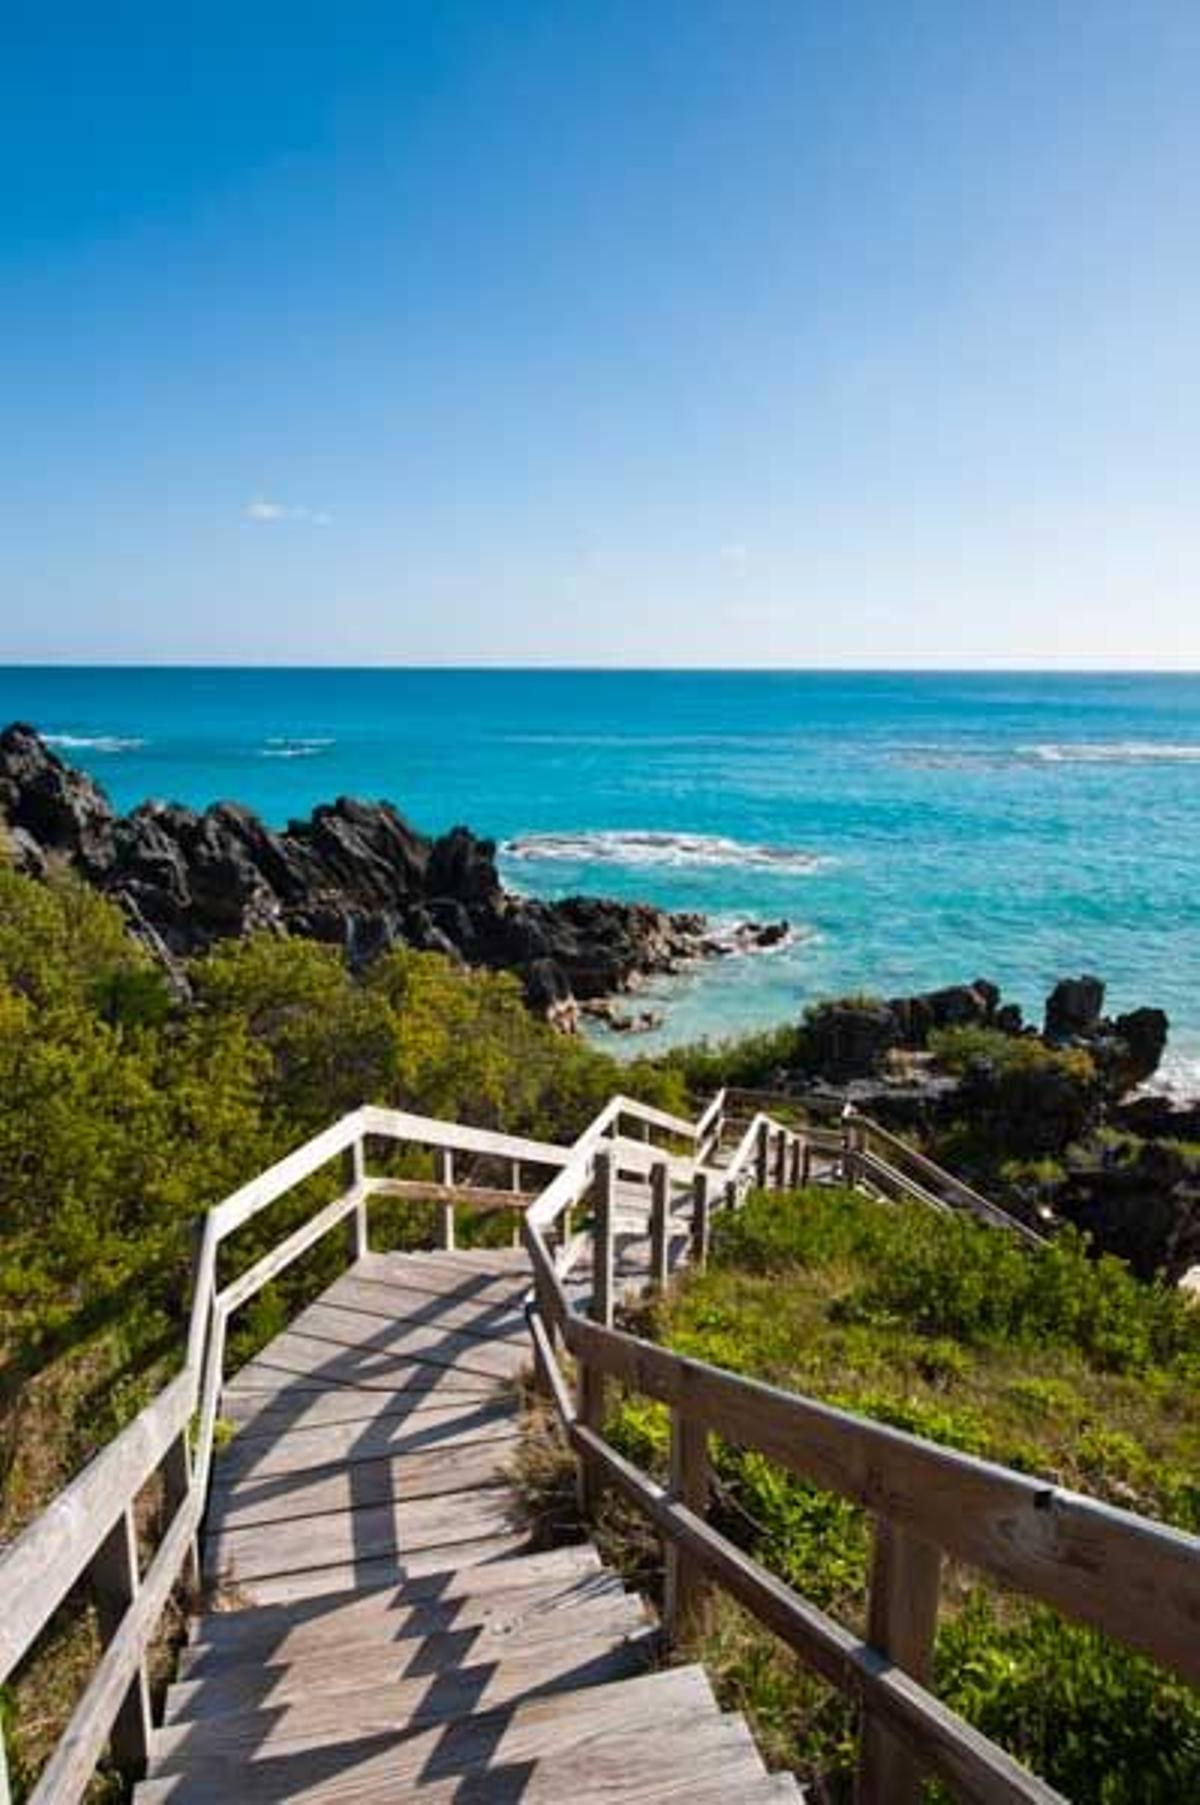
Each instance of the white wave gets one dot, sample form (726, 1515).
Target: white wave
(302, 746)
(93, 742)
(1178, 1077)
(1115, 752)
(677, 851)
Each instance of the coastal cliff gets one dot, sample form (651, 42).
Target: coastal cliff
(353, 874)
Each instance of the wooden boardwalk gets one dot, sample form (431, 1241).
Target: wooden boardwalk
(384, 1630)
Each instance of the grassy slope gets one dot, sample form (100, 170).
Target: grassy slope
(1050, 1363)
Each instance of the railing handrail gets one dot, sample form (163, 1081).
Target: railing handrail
(1126, 1575)
(1038, 1537)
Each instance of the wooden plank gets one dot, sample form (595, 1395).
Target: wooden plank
(359, 1611)
(374, 1619)
(427, 1131)
(115, 1584)
(902, 1617)
(40, 1567)
(701, 1208)
(346, 1537)
(660, 1236)
(445, 1274)
(344, 1486)
(315, 1721)
(66, 1774)
(335, 1362)
(515, 1740)
(602, 1239)
(346, 1324)
(293, 1450)
(686, 1589)
(947, 1745)
(260, 1412)
(279, 1258)
(383, 1570)
(1135, 1579)
(486, 1198)
(364, 1667)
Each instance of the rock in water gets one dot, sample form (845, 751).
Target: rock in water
(354, 874)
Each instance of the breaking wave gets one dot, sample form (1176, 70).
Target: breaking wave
(93, 742)
(1116, 752)
(677, 851)
(1054, 752)
(283, 746)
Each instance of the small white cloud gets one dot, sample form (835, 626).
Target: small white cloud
(261, 509)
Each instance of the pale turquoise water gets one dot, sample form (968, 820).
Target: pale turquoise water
(917, 829)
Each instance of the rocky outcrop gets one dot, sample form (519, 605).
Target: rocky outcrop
(354, 874)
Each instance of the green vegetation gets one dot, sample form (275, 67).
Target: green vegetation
(1050, 1362)
(124, 1118)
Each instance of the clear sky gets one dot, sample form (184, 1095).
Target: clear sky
(590, 332)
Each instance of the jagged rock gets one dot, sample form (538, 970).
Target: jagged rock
(956, 1006)
(62, 809)
(849, 1039)
(1146, 1208)
(354, 874)
(1073, 1008)
(1143, 1035)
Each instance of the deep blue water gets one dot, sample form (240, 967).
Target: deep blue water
(916, 829)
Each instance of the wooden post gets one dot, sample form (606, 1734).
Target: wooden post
(357, 1228)
(799, 1148)
(686, 1588)
(781, 1157)
(806, 1164)
(590, 1399)
(762, 1161)
(115, 1585)
(5, 1795)
(446, 1210)
(515, 1183)
(902, 1614)
(660, 1208)
(602, 1239)
(177, 1483)
(849, 1149)
(700, 1220)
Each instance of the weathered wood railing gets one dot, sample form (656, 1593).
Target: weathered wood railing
(88, 1536)
(1133, 1579)
(1130, 1577)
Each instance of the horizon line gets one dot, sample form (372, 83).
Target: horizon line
(572, 669)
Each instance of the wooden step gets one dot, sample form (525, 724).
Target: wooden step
(293, 1450)
(528, 1739)
(222, 1640)
(335, 1362)
(271, 1498)
(318, 1720)
(370, 1666)
(397, 1528)
(262, 1410)
(384, 1570)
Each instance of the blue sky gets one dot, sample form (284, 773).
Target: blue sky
(584, 332)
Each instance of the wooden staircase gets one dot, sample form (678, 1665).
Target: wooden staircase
(385, 1630)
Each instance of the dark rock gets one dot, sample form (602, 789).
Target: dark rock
(1146, 1208)
(1143, 1035)
(849, 1039)
(355, 875)
(1073, 1008)
(60, 808)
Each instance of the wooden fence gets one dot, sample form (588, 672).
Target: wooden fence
(1130, 1577)
(1133, 1579)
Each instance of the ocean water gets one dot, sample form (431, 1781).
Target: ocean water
(915, 829)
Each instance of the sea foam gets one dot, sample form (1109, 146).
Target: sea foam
(648, 847)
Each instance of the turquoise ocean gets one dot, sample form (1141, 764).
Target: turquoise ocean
(916, 829)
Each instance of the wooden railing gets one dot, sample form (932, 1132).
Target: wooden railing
(1125, 1575)
(88, 1536)
(1133, 1579)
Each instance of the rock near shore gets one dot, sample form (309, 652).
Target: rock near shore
(354, 874)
